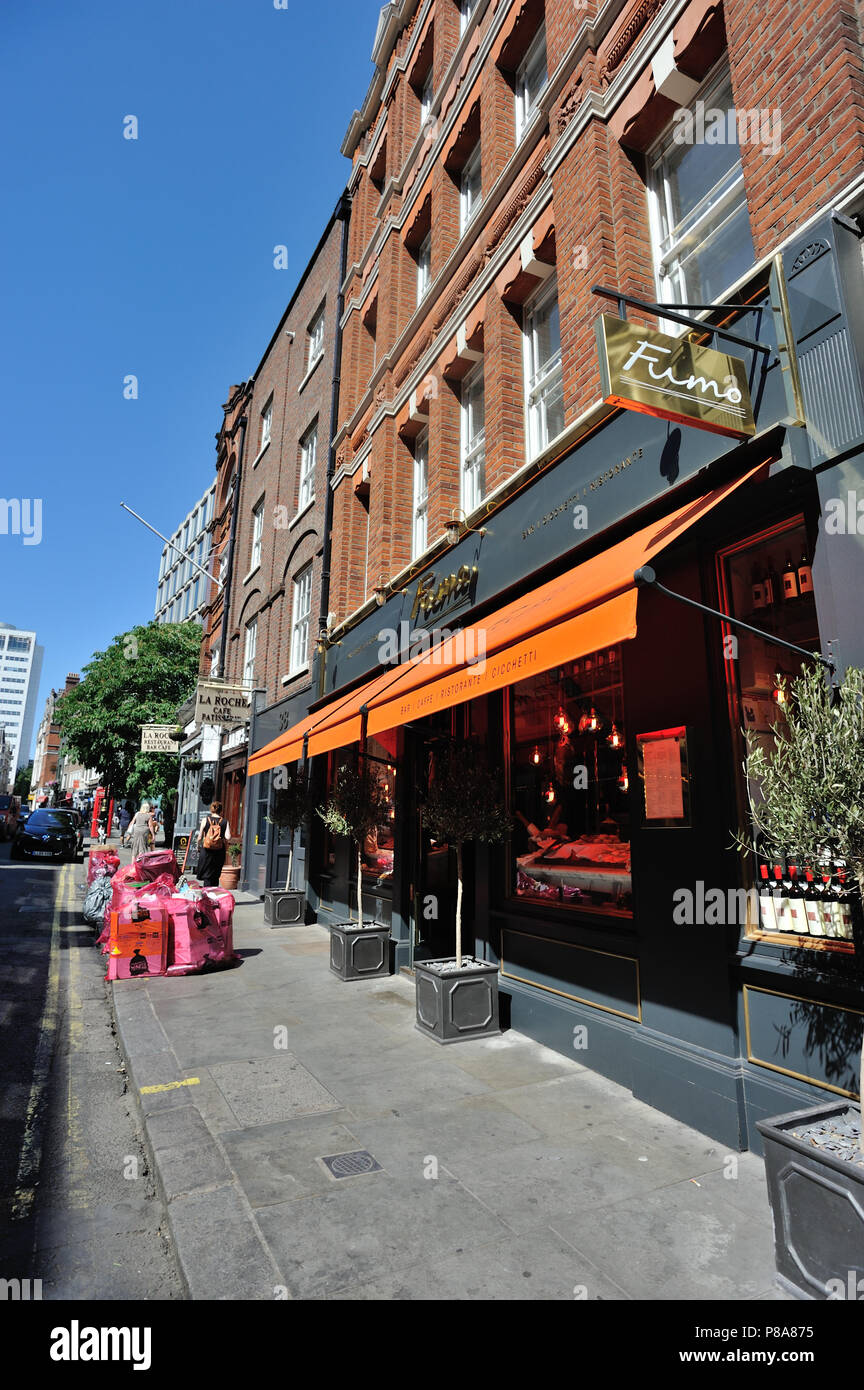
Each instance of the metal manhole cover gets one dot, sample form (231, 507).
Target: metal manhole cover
(351, 1165)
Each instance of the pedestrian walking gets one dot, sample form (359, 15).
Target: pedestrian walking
(213, 836)
(154, 827)
(139, 830)
(124, 822)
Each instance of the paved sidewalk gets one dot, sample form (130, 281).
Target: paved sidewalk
(506, 1170)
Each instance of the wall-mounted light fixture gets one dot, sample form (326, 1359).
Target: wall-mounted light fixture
(457, 527)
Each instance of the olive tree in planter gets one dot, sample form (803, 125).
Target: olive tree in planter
(357, 805)
(292, 806)
(458, 998)
(808, 808)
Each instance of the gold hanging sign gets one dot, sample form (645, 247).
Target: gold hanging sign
(673, 379)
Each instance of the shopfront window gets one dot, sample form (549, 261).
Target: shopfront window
(569, 787)
(377, 854)
(767, 580)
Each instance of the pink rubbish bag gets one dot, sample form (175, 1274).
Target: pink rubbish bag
(101, 863)
(158, 862)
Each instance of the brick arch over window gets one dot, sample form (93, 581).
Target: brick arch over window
(250, 609)
(226, 480)
(291, 563)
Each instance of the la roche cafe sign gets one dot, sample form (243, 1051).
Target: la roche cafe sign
(222, 706)
(673, 379)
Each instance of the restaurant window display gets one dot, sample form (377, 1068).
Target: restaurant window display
(767, 580)
(569, 785)
(377, 856)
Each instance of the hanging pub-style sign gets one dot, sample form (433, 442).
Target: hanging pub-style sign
(672, 378)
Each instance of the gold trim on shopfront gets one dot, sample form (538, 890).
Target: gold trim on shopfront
(787, 1071)
(577, 998)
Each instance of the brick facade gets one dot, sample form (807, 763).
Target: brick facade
(570, 194)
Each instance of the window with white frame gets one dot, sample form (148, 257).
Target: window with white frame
(214, 662)
(249, 652)
(266, 422)
(470, 188)
(544, 389)
(420, 511)
(531, 78)
(466, 10)
(424, 266)
(257, 534)
(473, 449)
(316, 339)
(308, 461)
(426, 95)
(301, 609)
(698, 207)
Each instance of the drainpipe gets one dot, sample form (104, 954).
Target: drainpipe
(343, 214)
(229, 569)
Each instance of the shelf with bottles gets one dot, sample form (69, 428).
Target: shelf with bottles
(781, 591)
(812, 904)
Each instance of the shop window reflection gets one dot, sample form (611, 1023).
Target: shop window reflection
(377, 854)
(569, 787)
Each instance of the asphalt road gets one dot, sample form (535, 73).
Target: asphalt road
(78, 1209)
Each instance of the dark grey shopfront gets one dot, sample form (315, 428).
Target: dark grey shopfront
(719, 1025)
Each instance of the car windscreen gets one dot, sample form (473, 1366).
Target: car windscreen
(49, 820)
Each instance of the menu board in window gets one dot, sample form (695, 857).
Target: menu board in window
(665, 776)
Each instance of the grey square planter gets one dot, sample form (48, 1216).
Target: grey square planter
(817, 1204)
(284, 907)
(454, 1005)
(359, 952)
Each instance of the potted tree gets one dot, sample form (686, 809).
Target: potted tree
(230, 875)
(458, 998)
(807, 806)
(356, 807)
(292, 805)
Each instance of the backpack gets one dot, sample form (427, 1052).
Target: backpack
(212, 837)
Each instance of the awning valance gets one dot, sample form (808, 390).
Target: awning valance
(593, 605)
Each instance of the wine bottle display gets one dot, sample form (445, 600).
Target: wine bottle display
(790, 580)
(757, 592)
(805, 575)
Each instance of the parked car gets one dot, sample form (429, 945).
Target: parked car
(76, 819)
(48, 834)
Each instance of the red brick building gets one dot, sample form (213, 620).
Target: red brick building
(276, 584)
(508, 158)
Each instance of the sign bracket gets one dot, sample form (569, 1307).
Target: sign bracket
(668, 311)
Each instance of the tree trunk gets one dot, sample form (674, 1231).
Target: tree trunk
(290, 864)
(458, 906)
(359, 886)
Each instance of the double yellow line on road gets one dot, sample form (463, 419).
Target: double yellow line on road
(30, 1159)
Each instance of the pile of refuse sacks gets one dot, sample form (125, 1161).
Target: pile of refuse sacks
(150, 921)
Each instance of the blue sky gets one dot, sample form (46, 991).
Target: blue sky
(151, 257)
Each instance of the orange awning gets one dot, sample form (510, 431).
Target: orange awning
(592, 606)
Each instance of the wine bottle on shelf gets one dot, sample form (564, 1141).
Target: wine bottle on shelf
(775, 584)
(767, 910)
(797, 905)
(757, 591)
(782, 904)
(768, 585)
(826, 915)
(790, 580)
(844, 897)
(805, 574)
(814, 924)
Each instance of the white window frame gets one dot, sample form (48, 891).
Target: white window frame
(719, 207)
(470, 188)
(266, 424)
(466, 12)
(529, 83)
(427, 96)
(214, 661)
(472, 442)
(249, 652)
(420, 496)
(301, 613)
(541, 378)
(316, 339)
(308, 464)
(424, 266)
(257, 535)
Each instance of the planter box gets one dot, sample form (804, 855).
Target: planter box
(453, 1005)
(817, 1204)
(284, 907)
(359, 952)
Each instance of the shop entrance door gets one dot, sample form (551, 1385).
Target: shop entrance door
(433, 881)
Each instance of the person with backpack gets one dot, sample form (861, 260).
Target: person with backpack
(214, 834)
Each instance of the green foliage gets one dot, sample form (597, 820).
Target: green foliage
(234, 852)
(809, 793)
(357, 804)
(465, 801)
(292, 803)
(142, 678)
(23, 780)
